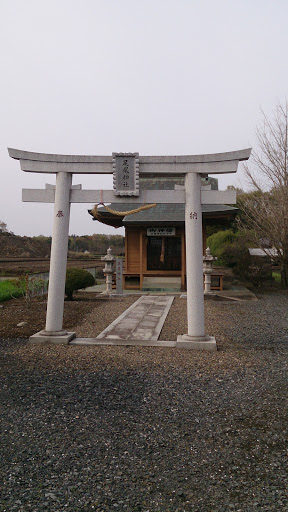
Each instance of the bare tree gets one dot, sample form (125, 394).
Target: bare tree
(265, 209)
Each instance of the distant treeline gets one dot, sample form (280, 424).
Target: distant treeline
(97, 244)
(39, 246)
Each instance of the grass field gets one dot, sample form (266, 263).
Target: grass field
(10, 289)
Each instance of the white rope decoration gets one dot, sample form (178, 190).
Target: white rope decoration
(97, 215)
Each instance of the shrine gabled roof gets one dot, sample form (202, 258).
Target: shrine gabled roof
(173, 213)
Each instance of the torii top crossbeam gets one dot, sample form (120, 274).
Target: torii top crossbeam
(204, 164)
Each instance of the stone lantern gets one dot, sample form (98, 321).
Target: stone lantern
(108, 270)
(207, 271)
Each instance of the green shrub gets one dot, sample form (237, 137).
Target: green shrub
(218, 243)
(232, 251)
(277, 277)
(76, 279)
(236, 255)
(255, 269)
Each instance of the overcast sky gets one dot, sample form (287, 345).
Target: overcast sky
(160, 77)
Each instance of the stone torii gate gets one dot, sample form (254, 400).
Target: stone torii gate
(126, 168)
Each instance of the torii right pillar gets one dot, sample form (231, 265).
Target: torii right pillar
(196, 337)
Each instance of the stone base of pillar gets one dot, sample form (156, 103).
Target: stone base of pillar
(62, 332)
(60, 338)
(196, 342)
(210, 295)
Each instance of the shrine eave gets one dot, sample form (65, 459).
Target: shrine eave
(162, 213)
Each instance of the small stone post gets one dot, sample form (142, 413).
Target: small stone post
(207, 271)
(119, 276)
(108, 270)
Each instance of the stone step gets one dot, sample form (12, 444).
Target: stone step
(164, 279)
(158, 284)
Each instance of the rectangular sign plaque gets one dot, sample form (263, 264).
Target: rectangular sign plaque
(126, 174)
(161, 231)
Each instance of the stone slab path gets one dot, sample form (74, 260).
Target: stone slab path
(140, 324)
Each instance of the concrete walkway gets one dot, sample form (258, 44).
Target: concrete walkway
(140, 324)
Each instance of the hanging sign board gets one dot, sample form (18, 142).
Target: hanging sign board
(161, 231)
(126, 174)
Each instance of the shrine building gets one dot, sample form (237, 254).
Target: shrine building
(155, 237)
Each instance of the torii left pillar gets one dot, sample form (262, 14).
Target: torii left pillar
(53, 331)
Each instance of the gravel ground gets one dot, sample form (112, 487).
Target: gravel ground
(150, 429)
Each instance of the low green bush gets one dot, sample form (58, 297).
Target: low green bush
(277, 277)
(76, 279)
(254, 269)
(232, 251)
(218, 243)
